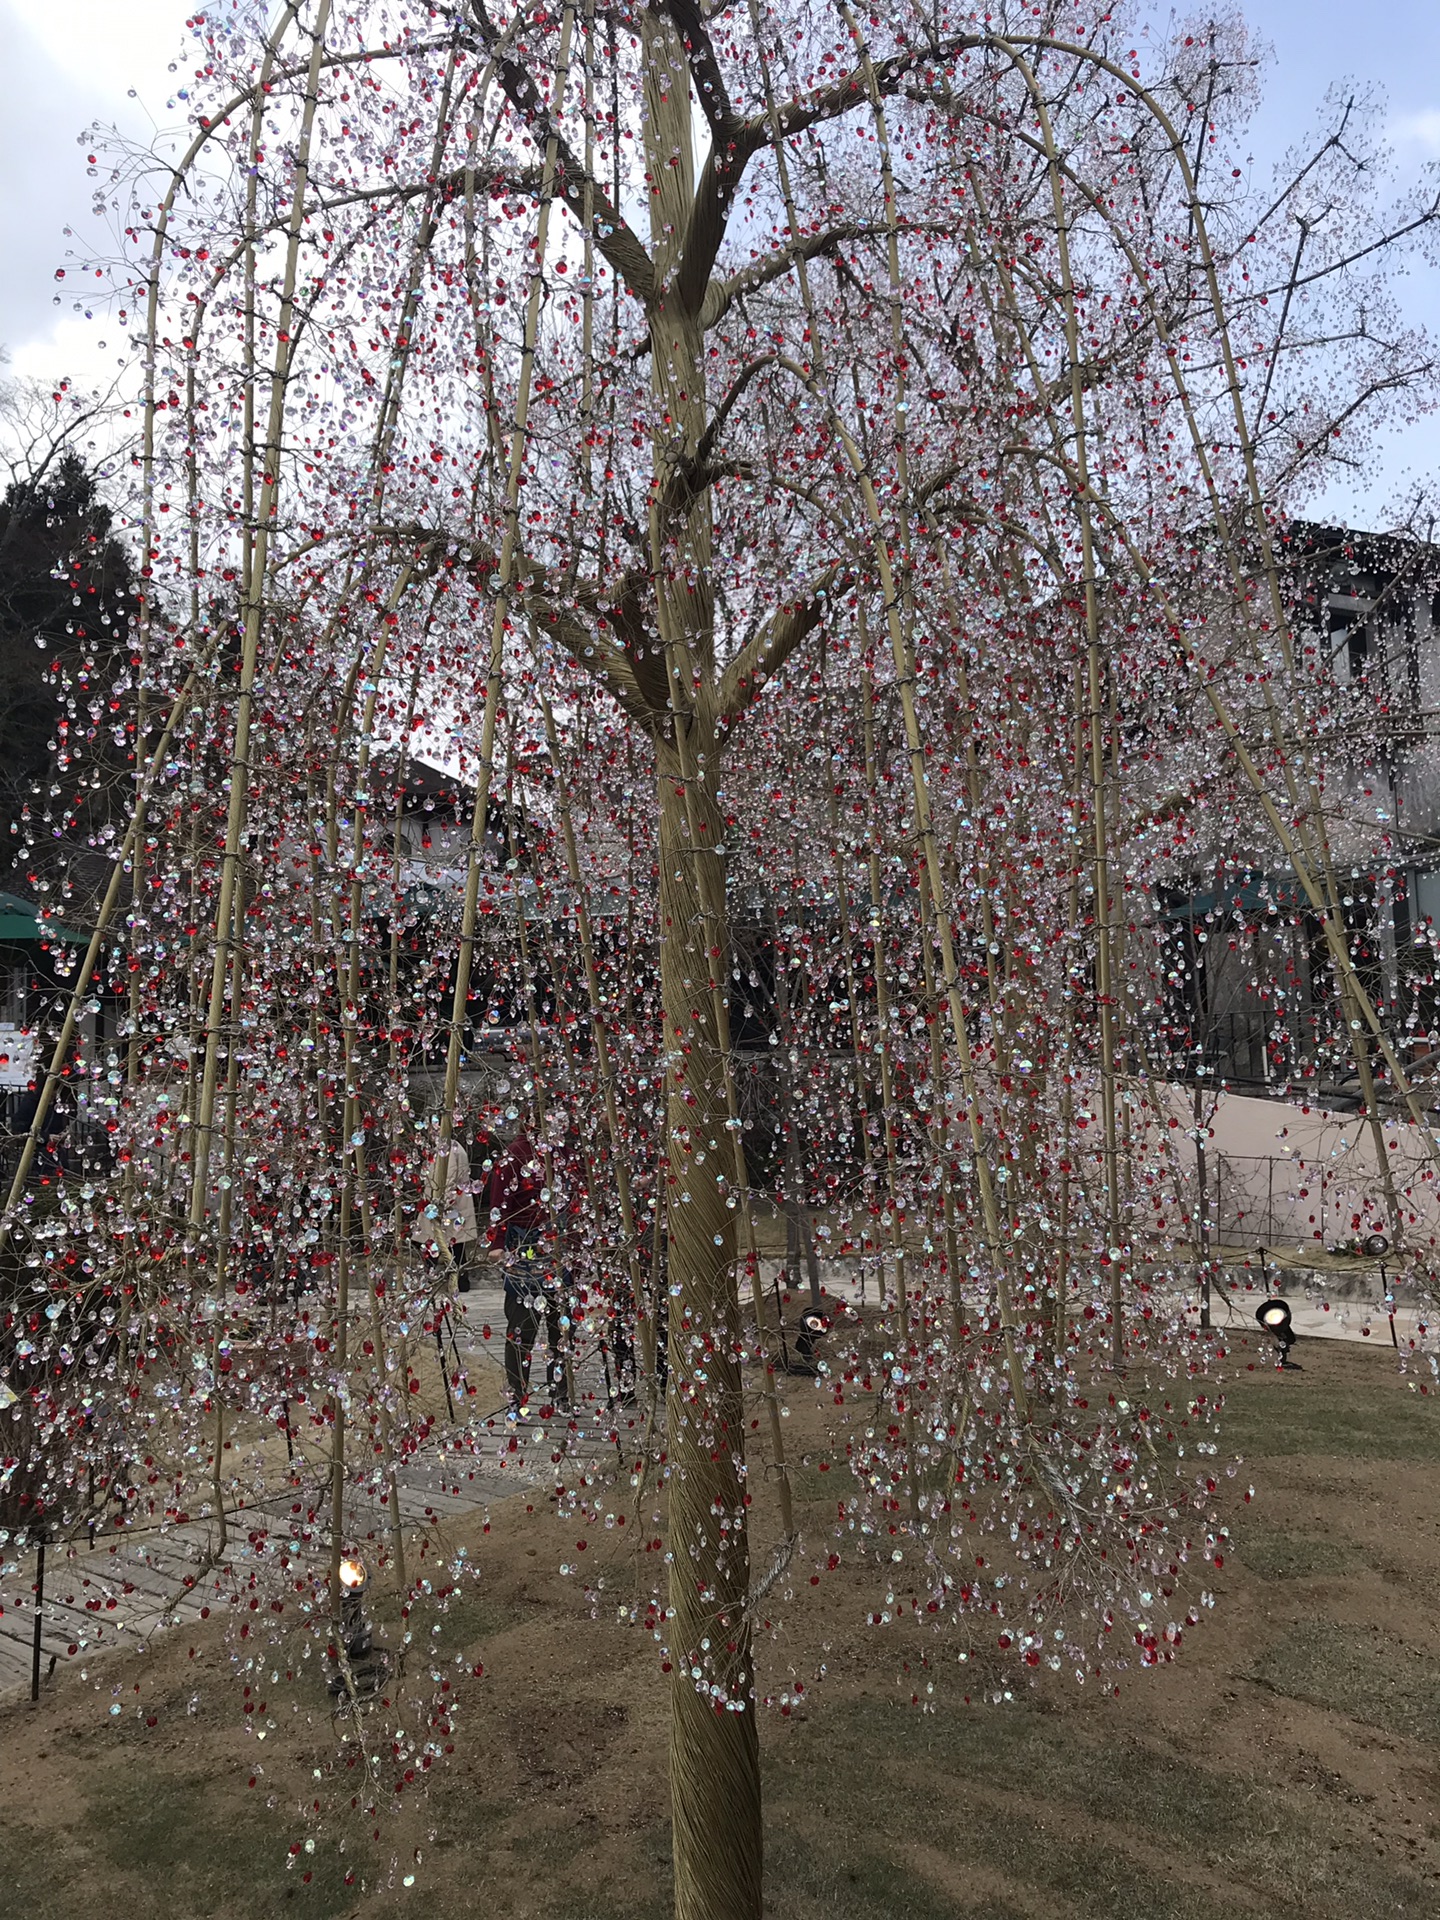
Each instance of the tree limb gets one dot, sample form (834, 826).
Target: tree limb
(591, 652)
(737, 141)
(721, 294)
(630, 672)
(581, 193)
(767, 653)
(710, 89)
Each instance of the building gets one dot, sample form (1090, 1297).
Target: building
(1248, 984)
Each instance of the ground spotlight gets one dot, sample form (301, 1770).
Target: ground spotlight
(814, 1325)
(360, 1668)
(1274, 1317)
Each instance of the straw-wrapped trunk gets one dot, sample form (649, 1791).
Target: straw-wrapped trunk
(714, 1749)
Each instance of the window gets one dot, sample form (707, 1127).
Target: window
(1350, 641)
(14, 992)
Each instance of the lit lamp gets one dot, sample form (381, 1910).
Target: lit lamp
(1377, 1245)
(813, 1327)
(360, 1670)
(1274, 1317)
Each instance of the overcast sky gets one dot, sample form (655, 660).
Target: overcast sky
(68, 63)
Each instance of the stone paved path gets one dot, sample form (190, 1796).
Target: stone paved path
(130, 1583)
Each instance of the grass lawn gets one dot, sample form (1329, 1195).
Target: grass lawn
(1287, 1763)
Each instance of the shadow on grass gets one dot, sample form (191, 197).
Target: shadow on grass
(1361, 1672)
(1274, 1553)
(1269, 1414)
(463, 1622)
(874, 1812)
(1023, 1812)
(161, 1845)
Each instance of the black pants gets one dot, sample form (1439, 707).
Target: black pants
(623, 1347)
(622, 1342)
(525, 1309)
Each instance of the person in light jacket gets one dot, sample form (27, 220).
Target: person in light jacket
(448, 1216)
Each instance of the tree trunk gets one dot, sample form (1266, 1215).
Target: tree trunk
(714, 1745)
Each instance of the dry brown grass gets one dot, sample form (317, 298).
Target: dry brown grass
(1288, 1763)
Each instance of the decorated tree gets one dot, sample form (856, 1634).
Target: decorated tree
(818, 470)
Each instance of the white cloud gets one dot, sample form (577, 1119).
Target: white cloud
(67, 64)
(108, 46)
(1418, 131)
(84, 352)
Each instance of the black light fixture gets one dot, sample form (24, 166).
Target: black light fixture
(1375, 1245)
(814, 1325)
(360, 1667)
(1274, 1317)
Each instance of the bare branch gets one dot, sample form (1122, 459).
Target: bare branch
(691, 476)
(1428, 218)
(591, 652)
(582, 194)
(723, 293)
(759, 659)
(738, 141)
(710, 89)
(714, 196)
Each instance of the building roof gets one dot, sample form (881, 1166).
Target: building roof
(20, 924)
(1251, 895)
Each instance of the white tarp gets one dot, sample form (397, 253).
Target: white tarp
(17, 1056)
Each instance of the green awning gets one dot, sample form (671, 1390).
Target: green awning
(1251, 898)
(20, 924)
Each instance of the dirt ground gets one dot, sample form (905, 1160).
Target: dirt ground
(1288, 1762)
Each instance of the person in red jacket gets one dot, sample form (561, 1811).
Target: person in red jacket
(514, 1207)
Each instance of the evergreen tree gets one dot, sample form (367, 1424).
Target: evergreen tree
(67, 598)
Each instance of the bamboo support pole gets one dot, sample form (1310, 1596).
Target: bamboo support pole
(505, 587)
(883, 1021)
(240, 771)
(645, 1305)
